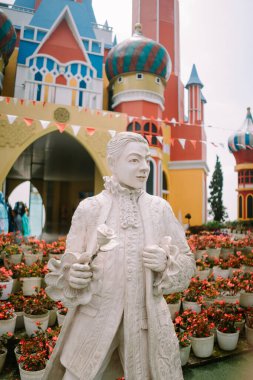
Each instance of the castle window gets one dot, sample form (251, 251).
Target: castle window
(139, 76)
(249, 207)
(158, 80)
(240, 207)
(120, 80)
(134, 127)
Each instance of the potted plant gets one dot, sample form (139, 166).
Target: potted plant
(33, 366)
(235, 263)
(202, 337)
(18, 302)
(174, 302)
(182, 321)
(246, 285)
(229, 288)
(184, 346)
(249, 325)
(35, 252)
(247, 262)
(228, 332)
(50, 305)
(198, 245)
(209, 291)
(213, 246)
(56, 249)
(202, 268)
(6, 283)
(13, 254)
(227, 246)
(35, 313)
(7, 318)
(192, 297)
(3, 349)
(61, 312)
(222, 269)
(30, 276)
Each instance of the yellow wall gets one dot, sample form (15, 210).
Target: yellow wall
(130, 82)
(186, 194)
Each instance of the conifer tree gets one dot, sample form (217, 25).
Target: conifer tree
(216, 188)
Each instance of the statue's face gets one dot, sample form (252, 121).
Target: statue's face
(131, 168)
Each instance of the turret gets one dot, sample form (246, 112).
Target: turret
(195, 102)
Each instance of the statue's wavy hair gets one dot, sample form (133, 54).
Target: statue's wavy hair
(116, 145)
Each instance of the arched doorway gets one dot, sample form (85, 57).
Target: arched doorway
(62, 171)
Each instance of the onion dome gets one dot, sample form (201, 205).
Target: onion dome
(7, 37)
(138, 54)
(242, 139)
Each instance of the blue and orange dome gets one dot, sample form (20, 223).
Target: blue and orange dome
(243, 139)
(138, 54)
(7, 37)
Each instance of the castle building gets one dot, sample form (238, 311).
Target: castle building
(241, 145)
(69, 86)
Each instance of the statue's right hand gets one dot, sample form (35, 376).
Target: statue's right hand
(80, 276)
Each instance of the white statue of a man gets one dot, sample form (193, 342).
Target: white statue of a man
(124, 250)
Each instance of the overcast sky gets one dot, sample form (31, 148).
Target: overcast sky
(216, 35)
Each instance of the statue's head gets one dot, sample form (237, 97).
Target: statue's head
(128, 157)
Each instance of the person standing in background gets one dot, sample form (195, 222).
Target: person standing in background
(4, 223)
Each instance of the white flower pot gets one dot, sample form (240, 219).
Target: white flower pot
(8, 325)
(202, 347)
(218, 272)
(20, 320)
(29, 284)
(200, 253)
(31, 322)
(247, 268)
(184, 354)
(6, 289)
(231, 299)
(203, 274)
(246, 299)
(31, 375)
(16, 286)
(60, 318)
(192, 306)
(249, 335)
(31, 258)
(174, 308)
(226, 252)
(56, 256)
(16, 353)
(15, 259)
(52, 317)
(2, 359)
(227, 341)
(232, 271)
(213, 252)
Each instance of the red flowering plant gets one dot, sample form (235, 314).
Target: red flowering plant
(6, 311)
(173, 298)
(34, 270)
(249, 317)
(214, 311)
(182, 320)
(12, 249)
(61, 308)
(212, 241)
(248, 259)
(238, 244)
(248, 239)
(223, 264)
(226, 242)
(5, 274)
(199, 325)
(235, 261)
(246, 282)
(33, 362)
(56, 247)
(228, 286)
(37, 246)
(211, 261)
(194, 291)
(51, 338)
(183, 338)
(227, 323)
(197, 242)
(36, 304)
(202, 264)
(209, 290)
(4, 338)
(18, 301)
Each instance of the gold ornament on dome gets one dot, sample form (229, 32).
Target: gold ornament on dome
(61, 115)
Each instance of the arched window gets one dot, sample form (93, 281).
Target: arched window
(249, 207)
(134, 127)
(240, 207)
(150, 182)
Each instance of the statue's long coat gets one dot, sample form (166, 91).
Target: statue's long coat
(124, 287)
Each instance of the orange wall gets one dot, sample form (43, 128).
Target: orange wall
(139, 108)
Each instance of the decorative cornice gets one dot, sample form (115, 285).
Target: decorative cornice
(131, 96)
(187, 165)
(243, 166)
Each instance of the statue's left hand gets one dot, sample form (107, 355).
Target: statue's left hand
(155, 258)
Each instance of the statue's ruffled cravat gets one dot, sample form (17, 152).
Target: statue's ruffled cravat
(128, 198)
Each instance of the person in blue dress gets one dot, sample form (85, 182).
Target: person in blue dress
(4, 223)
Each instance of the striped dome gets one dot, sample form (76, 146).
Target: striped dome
(138, 54)
(242, 139)
(7, 37)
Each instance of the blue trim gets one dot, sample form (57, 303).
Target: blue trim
(26, 49)
(97, 63)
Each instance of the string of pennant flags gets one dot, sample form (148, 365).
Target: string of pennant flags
(91, 130)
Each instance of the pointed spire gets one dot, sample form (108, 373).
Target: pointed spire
(106, 24)
(202, 98)
(249, 121)
(194, 78)
(115, 41)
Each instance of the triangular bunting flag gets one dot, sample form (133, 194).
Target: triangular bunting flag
(194, 143)
(1, 98)
(80, 109)
(28, 121)
(149, 138)
(182, 142)
(166, 120)
(112, 132)
(98, 113)
(172, 141)
(11, 118)
(104, 113)
(130, 118)
(90, 131)
(216, 146)
(44, 103)
(21, 101)
(34, 102)
(159, 119)
(117, 115)
(15, 100)
(76, 129)
(7, 100)
(44, 123)
(173, 122)
(61, 127)
(160, 139)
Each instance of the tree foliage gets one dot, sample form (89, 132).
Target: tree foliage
(216, 189)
